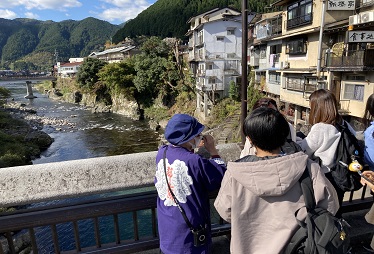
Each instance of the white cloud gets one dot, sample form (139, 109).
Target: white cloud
(7, 14)
(8, 3)
(31, 15)
(41, 4)
(126, 3)
(123, 10)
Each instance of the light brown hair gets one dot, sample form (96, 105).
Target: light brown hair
(369, 110)
(323, 108)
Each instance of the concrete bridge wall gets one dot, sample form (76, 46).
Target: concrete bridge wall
(51, 181)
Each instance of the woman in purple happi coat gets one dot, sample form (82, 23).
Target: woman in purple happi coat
(190, 178)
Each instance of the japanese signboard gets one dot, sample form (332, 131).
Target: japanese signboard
(340, 5)
(361, 36)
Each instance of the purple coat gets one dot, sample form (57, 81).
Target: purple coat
(191, 178)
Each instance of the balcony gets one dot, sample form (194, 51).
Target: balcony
(210, 87)
(269, 29)
(213, 56)
(199, 42)
(274, 60)
(366, 3)
(350, 60)
(254, 59)
(231, 67)
(200, 72)
(276, 25)
(231, 72)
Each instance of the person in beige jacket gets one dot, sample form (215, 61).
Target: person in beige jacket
(370, 215)
(259, 194)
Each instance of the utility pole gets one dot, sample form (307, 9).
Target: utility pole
(56, 56)
(243, 114)
(319, 59)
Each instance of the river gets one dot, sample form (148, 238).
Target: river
(80, 134)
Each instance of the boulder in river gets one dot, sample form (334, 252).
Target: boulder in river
(39, 138)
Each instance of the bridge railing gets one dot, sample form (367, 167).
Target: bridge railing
(122, 223)
(120, 214)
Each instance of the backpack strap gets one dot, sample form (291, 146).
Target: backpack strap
(307, 189)
(310, 204)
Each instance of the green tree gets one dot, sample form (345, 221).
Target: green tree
(4, 93)
(118, 78)
(87, 75)
(253, 94)
(156, 71)
(234, 91)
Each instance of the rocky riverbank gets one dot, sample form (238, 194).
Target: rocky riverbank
(22, 133)
(22, 140)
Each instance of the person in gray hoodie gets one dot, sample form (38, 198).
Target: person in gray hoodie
(260, 193)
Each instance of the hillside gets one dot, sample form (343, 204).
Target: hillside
(31, 44)
(168, 18)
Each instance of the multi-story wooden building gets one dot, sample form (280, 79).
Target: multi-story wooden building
(311, 45)
(215, 47)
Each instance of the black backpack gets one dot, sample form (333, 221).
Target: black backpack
(321, 232)
(348, 150)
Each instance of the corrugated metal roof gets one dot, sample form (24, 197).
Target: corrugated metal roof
(115, 50)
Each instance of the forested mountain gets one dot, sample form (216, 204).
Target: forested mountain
(168, 18)
(31, 44)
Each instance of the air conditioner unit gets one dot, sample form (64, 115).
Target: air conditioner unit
(366, 17)
(354, 20)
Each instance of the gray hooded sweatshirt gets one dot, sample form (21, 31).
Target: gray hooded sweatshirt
(260, 198)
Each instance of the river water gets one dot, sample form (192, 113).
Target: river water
(80, 134)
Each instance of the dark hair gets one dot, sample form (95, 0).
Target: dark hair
(264, 102)
(323, 108)
(267, 128)
(369, 110)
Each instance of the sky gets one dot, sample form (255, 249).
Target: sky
(113, 11)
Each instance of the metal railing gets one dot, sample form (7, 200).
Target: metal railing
(351, 58)
(130, 212)
(130, 219)
(114, 209)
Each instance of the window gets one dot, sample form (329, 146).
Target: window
(209, 66)
(262, 53)
(311, 84)
(230, 31)
(354, 92)
(296, 47)
(200, 37)
(274, 77)
(295, 83)
(356, 77)
(212, 80)
(220, 38)
(299, 13)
